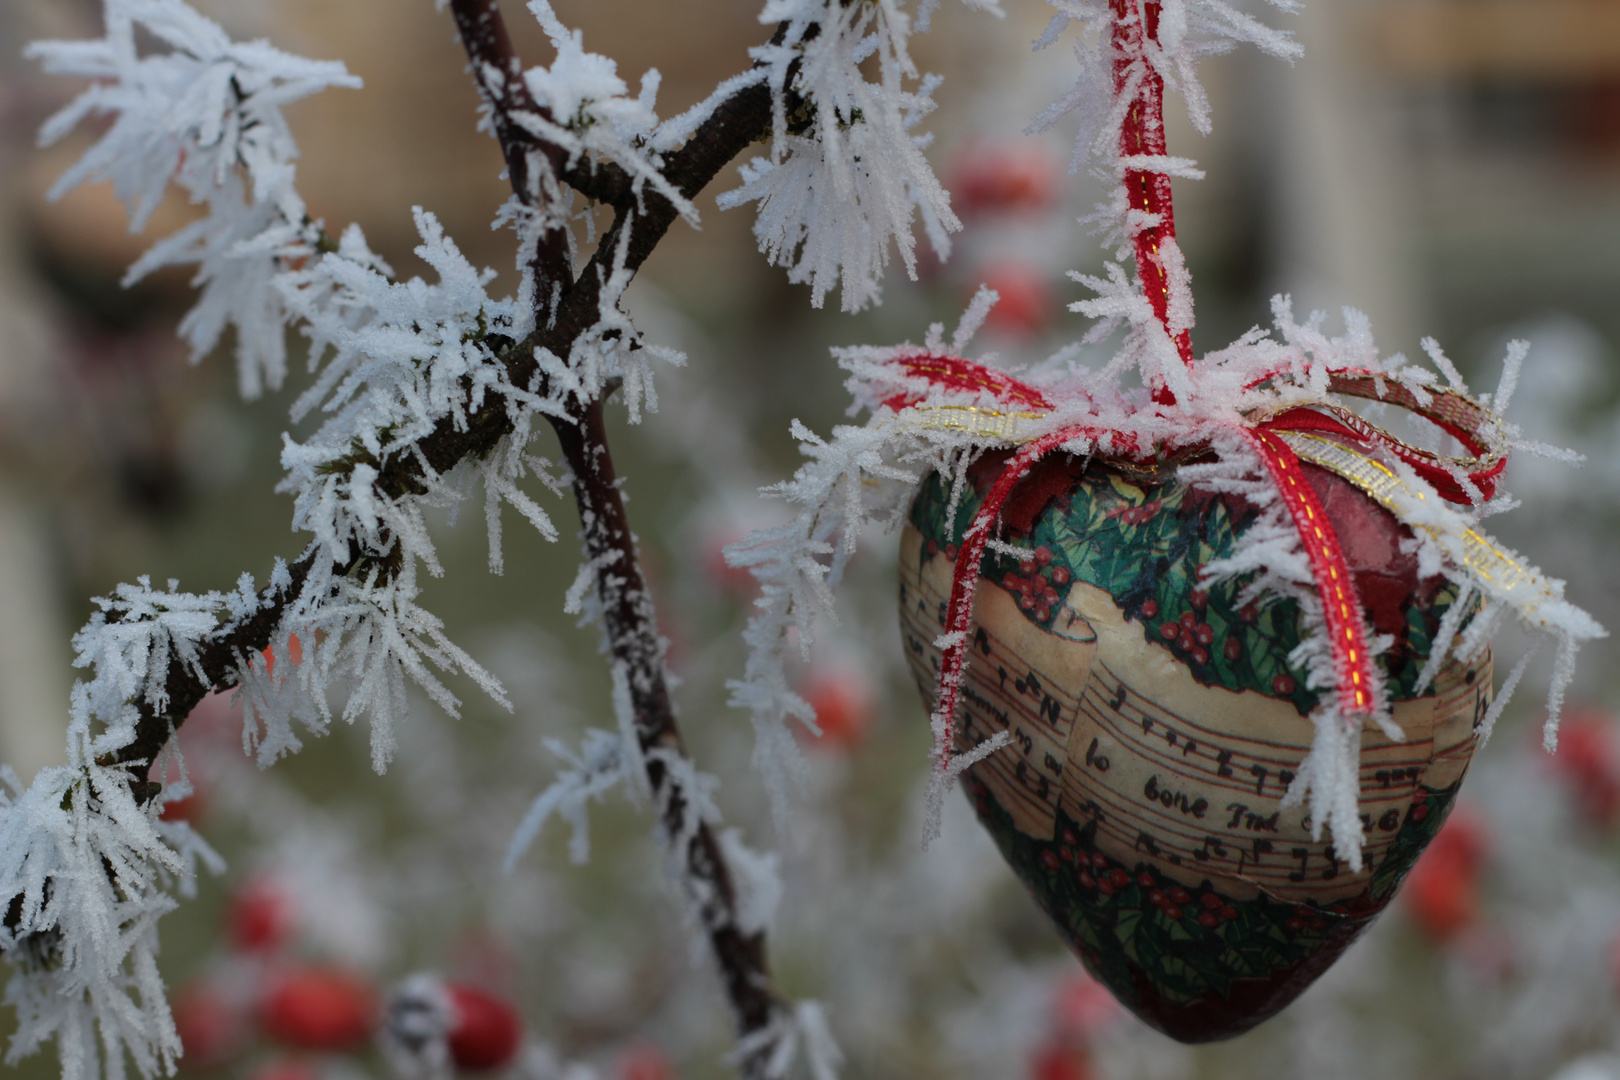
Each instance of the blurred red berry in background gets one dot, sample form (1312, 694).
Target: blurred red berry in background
(1588, 760)
(1002, 177)
(208, 1021)
(1059, 1062)
(316, 1008)
(485, 1032)
(260, 916)
(285, 1069)
(842, 699)
(645, 1061)
(1442, 889)
(1025, 305)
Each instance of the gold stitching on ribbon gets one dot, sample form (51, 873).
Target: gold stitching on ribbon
(1479, 553)
(980, 423)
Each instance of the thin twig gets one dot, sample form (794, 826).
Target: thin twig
(628, 614)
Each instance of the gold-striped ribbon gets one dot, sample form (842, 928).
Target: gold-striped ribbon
(1011, 427)
(1479, 553)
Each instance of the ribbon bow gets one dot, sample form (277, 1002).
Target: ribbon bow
(1320, 433)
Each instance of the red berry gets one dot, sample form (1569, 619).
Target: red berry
(1043, 554)
(1010, 177)
(1156, 898)
(1440, 890)
(1027, 602)
(1010, 581)
(1087, 881)
(1150, 608)
(1233, 648)
(1208, 918)
(1198, 598)
(1180, 895)
(1294, 925)
(843, 704)
(1069, 837)
(1119, 878)
(1205, 633)
(1248, 613)
(1170, 631)
(1105, 888)
(1189, 620)
(950, 552)
(260, 916)
(210, 1027)
(1084, 1006)
(285, 1069)
(1060, 575)
(1043, 611)
(1144, 879)
(1049, 859)
(485, 1031)
(189, 808)
(1588, 760)
(1027, 568)
(1099, 860)
(1058, 1062)
(1229, 913)
(646, 1062)
(1282, 685)
(295, 652)
(739, 581)
(319, 1009)
(1210, 900)
(1174, 912)
(1200, 655)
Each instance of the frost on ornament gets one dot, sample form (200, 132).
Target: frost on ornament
(1211, 658)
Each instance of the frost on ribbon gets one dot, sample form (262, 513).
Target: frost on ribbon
(846, 177)
(1118, 73)
(205, 111)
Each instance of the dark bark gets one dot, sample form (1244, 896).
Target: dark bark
(632, 632)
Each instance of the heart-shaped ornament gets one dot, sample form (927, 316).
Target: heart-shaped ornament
(1157, 722)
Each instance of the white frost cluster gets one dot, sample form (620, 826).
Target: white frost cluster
(591, 109)
(847, 180)
(206, 113)
(85, 868)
